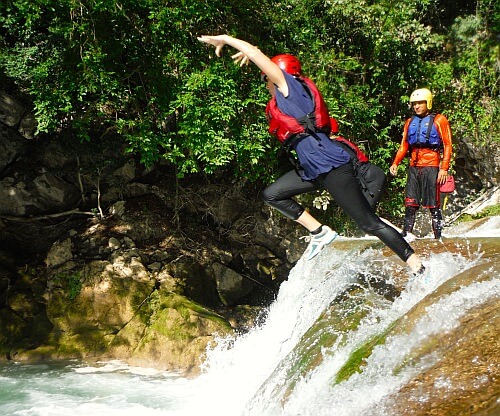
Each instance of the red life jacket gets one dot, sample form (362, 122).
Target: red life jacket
(358, 153)
(287, 128)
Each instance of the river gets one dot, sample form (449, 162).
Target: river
(263, 372)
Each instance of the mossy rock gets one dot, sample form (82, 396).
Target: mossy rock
(176, 337)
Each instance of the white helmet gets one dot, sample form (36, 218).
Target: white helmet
(422, 94)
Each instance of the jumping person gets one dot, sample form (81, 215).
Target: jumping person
(428, 137)
(299, 119)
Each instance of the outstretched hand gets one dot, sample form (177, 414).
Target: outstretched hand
(246, 53)
(240, 58)
(217, 41)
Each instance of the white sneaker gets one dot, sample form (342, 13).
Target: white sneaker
(421, 272)
(409, 237)
(424, 275)
(318, 241)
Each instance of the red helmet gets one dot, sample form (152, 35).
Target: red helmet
(288, 63)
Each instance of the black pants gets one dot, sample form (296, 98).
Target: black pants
(437, 221)
(422, 189)
(346, 192)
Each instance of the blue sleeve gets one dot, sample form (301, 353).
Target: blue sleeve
(298, 102)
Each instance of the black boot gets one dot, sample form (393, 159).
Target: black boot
(409, 221)
(437, 222)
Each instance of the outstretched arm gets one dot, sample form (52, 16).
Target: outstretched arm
(248, 52)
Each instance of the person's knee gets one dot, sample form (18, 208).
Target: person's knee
(288, 207)
(267, 196)
(372, 225)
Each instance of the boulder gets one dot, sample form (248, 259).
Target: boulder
(231, 285)
(15, 115)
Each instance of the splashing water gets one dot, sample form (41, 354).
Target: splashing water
(247, 374)
(249, 361)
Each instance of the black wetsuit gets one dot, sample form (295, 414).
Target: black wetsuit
(346, 192)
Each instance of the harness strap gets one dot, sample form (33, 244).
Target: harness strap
(310, 130)
(429, 128)
(288, 147)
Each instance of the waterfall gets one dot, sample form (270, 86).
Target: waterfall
(251, 374)
(351, 333)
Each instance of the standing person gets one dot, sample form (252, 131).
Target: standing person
(428, 137)
(299, 119)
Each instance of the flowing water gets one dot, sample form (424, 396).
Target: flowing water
(262, 372)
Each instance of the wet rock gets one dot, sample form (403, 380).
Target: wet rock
(231, 286)
(463, 380)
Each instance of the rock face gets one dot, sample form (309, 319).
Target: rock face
(22, 194)
(135, 287)
(231, 285)
(49, 190)
(114, 308)
(119, 310)
(16, 116)
(464, 381)
(438, 357)
(105, 258)
(464, 376)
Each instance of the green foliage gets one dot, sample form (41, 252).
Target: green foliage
(476, 75)
(101, 69)
(72, 282)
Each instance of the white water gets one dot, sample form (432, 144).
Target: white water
(234, 382)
